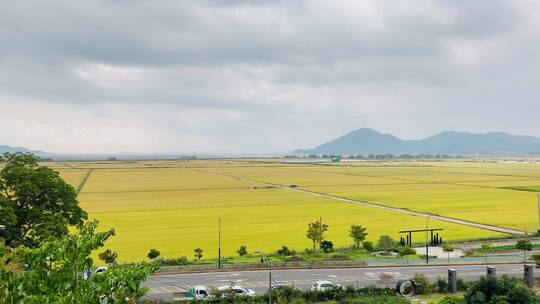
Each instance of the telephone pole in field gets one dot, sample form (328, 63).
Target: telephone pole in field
(219, 243)
(538, 202)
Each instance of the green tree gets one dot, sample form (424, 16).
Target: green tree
(524, 245)
(327, 246)
(358, 234)
(35, 202)
(153, 253)
(198, 253)
(53, 272)
(447, 247)
(316, 232)
(242, 251)
(385, 243)
(108, 256)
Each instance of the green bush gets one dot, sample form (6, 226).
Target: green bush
(242, 251)
(500, 290)
(173, 261)
(367, 245)
(291, 295)
(462, 285)
(423, 286)
(405, 251)
(285, 251)
(441, 284)
(153, 253)
(327, 246)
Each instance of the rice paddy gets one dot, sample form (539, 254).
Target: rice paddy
(174, 206)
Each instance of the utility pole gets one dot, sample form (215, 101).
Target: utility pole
(264, 257)
(320, 231)
(269, 281)
(219, 243)
(538, 202)
(427, 244)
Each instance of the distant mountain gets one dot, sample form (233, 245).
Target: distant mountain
(4, 149)
(368, 141)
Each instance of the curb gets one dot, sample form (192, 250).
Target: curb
(334, 267)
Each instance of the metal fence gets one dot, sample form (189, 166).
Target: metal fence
(338, 264)
(254, 266)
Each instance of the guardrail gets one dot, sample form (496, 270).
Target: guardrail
(255, 266)
(338, 264)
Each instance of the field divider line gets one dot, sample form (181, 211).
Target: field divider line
(374, 205)
(83, 182)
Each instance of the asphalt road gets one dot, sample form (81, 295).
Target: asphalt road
(162, 286)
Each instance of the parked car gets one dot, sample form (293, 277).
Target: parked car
(239, 290)
(100, 269)
(281, 285)
(198, 292)
(324, 285)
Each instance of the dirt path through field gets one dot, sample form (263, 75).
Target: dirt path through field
(369, 204)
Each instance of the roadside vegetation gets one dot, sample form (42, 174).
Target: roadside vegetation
(46, 243)
(321, 250)
(485, 291)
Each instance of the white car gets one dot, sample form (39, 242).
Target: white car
(239, 290)
(324, 285)
(198, 292)
(100, 269)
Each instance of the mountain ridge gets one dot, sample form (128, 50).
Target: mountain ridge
(369, 141)
(9, 149)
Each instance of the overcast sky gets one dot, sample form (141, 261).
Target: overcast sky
(261, 76)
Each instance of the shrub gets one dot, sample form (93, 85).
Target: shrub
(500, 290)
(462, 285)
(367, 245)
(198, 253)
(327, 246)
(285, 251)
(385, 243)
(423, 286)
(153, 253)
(405, 251)
(441, 284)
(174, 261)
(242, 251)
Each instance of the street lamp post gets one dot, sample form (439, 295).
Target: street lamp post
(265, 257)
(427, 244)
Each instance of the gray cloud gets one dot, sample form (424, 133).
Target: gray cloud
(262, 76)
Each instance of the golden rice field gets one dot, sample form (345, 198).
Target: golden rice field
(174, 206)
